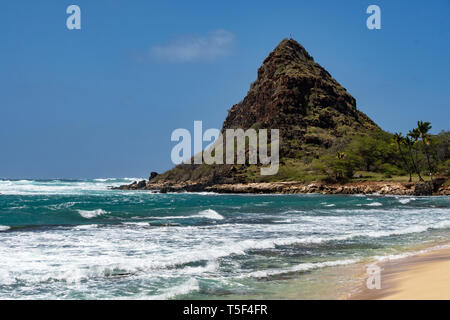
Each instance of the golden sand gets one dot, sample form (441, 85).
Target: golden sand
(421, 277)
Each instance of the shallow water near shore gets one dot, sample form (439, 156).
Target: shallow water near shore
(63, 239)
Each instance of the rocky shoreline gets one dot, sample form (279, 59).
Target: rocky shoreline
(434, 187)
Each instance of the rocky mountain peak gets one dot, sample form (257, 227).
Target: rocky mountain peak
(295, 94)
(288, 54)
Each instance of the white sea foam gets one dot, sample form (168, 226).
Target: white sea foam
(406, 200)
(282, 221)
(118, 179)
(89, 214)
(53, 187)
(74, 257)
(172, 217)
(203, 193)
(86, 227)
(355, 234)
(138, 224)
(403, 231)
(316, 265)
(409, 254)
(4, 228)
(293, 211)
(299, 267)
(49, 187)
(374, 204)
(83, 260)
(186, 287)
(208, 268)
(210, 214)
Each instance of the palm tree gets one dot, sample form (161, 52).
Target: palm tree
(399, 139)
(410, 141)
(422, 129)
(414, 134)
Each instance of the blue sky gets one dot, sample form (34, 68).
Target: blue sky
(102, 101)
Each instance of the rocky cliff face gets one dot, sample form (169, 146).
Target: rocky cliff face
(296, 95)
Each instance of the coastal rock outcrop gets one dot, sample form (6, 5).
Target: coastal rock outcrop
(294, 94)
(293, 187)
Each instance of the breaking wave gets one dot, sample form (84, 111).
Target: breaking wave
(89, 214)
(59, 186)
(211, 214)
(300, 267)
(374, 204)
(406, 200)
(184, 288)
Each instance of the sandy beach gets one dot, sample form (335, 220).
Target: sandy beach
(421, 277)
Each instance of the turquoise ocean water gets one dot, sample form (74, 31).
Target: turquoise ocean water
(79, 240)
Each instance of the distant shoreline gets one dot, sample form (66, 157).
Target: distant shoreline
(431, 188)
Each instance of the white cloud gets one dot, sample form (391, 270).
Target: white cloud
(195, 48)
